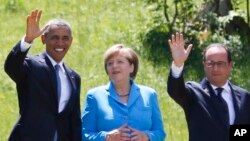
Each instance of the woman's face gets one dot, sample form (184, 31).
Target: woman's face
(119, 68)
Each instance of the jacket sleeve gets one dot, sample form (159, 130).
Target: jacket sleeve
(177, 90)
(76, 115)
(89, 131)
(14, 64)
(157, 132)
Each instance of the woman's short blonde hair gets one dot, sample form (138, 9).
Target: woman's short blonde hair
(128, 53)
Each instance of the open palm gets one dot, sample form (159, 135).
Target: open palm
(32, 30)
(179, 53)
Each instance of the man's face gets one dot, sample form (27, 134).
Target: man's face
(216, 66)
(57, 41)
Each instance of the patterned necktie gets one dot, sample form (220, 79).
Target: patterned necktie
(223, 105)
(57, 67)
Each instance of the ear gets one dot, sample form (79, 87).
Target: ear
(71, 40)
(43, 38)
(132, 67)
(204, 65)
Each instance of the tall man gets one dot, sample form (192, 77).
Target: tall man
(209, 112)
(49, 98)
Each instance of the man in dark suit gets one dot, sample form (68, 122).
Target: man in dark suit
(209, 112)
(49, 100)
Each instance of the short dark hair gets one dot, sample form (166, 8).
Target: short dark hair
(229, 58)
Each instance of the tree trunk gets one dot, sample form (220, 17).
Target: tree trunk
(222, 8)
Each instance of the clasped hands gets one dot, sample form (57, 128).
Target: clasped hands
(126, 133)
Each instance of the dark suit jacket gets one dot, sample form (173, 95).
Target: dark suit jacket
(35, 80)
(202, 116)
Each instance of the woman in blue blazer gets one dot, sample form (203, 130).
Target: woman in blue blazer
(122, 110)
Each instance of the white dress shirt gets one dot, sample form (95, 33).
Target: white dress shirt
(65, 83)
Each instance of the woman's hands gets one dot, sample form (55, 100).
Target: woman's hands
(137, 135)
(126, 133)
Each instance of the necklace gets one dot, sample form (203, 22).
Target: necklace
(123, 95)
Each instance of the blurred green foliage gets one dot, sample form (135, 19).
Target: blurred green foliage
(199, 29)
(98, 25)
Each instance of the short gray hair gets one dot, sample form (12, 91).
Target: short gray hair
(59, 22)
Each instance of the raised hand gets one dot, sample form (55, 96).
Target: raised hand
(179, 53)
(32, 28)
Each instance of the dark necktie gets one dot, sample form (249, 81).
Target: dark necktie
(222, 106)
(57, 67)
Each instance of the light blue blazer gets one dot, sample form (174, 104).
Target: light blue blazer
(104, 112)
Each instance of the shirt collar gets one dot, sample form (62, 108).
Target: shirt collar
(225, 87)
(54, 62)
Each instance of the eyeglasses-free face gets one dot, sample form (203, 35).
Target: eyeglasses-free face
(119, 68)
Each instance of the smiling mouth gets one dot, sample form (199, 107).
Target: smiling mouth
(59, 49)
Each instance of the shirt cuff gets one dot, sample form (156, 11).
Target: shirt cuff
(176, 71)
(24, 45)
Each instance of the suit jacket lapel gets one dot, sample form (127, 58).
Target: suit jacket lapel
(52, 77)
(236, 100)
(112, 92)
(134, 94)
(71, 78)
(206, 85)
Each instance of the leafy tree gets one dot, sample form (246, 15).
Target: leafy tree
(201, 23)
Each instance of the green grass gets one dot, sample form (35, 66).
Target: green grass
(97, 25)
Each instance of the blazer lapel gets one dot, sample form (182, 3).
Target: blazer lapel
(51, 75)
(236, 100)
(134, 94)
(217, 113)
(112, 92)
(71, 78)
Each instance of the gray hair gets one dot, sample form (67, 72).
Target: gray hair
(59, 22)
